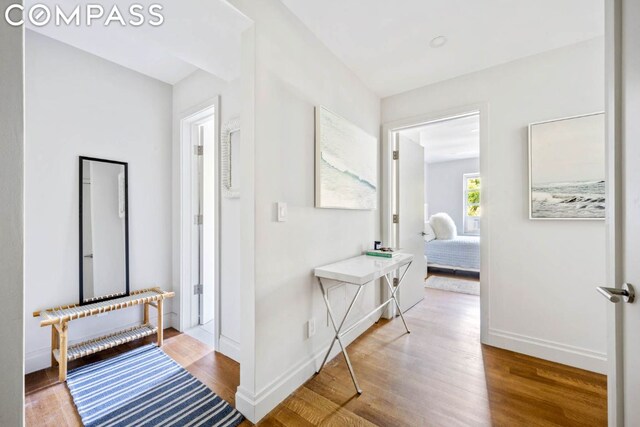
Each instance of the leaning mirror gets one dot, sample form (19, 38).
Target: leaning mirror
(104, 230)
(230, 158)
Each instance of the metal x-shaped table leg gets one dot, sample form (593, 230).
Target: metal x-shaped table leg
(337, 330)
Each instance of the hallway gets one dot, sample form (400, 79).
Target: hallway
(439, 375)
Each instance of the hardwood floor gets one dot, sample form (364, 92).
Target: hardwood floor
(439, 375)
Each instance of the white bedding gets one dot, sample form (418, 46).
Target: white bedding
(462, 252)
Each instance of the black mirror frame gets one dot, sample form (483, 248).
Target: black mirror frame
(126, 231)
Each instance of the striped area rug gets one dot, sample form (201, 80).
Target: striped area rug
(145, 387)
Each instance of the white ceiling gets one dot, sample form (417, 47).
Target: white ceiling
(386, 42)
(448, 140)
(196, 34)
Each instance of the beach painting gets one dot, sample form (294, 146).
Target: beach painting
(346, 164)
(567, 168)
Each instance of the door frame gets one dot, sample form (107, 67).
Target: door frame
(613, 155)
(188, 119)
(387, 192)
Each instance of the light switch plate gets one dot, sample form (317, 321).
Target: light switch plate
(283, 213)
(311, 327)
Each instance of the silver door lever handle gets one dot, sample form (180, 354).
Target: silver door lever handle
(613, 294)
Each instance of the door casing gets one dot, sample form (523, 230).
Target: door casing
(211, 240)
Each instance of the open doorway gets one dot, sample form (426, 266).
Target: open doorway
(452, 210)
(200, 255)
(435, 203)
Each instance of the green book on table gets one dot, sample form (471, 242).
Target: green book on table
(382, 254)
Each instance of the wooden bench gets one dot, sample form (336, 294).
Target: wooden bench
(59, 317)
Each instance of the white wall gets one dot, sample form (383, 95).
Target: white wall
(79, 104)
(294, 73)
(542, 274)
(194, 92)
(444, 189)
(11, 223)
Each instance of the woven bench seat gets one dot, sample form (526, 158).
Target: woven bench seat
(51, 316)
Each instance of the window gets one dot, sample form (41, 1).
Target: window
(471, 186)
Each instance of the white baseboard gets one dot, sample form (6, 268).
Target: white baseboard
(549, 350)
(229, 348)
(255, 407)
(36, 360)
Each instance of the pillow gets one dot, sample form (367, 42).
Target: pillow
(429, 234)
(443, 226)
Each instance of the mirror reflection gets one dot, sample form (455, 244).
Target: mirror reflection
(103, 230)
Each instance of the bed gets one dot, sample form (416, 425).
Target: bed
(461, 253)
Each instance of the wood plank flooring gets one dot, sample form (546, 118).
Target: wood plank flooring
(439, 375)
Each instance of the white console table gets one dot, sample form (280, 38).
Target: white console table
(360, 271)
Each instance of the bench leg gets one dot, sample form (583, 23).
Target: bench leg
(62, 365)
(146, 314)
(54, 344)
(160, 322)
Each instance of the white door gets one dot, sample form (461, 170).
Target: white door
(410, 211)
(196, 213)
(209, 257)
(623, 148)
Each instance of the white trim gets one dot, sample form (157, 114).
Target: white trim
(531, 161)
(482, 109)
(247, 214)
(254, 407)
(229, 348)
(579, 357)
(187, 120)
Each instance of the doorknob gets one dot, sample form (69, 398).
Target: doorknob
(627, 293)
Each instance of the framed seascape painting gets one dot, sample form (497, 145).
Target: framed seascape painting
(346, 164)
(567, 168)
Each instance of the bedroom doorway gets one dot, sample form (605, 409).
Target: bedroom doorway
(452, 211)
(444, 175)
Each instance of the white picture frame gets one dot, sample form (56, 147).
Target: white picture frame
(567, 168)
(230, 139)
(346, 164)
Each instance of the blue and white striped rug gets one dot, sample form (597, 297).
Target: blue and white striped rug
(145, 387)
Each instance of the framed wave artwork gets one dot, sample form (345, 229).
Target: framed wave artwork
(567, 168)
(346, 164)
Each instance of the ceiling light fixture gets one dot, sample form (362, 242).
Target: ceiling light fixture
(437, 42)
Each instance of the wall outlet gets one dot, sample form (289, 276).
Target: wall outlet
(311, 327)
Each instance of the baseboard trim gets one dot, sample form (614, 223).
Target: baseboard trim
(549, 350)
(255, 407)
(39, 359)
(229, 348)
